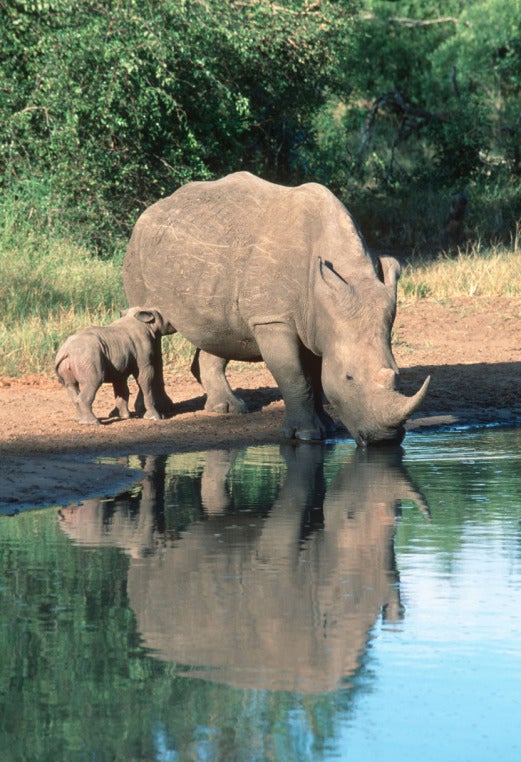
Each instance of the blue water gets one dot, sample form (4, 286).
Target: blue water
(273, 603)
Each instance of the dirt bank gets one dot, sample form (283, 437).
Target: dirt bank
(470, 346)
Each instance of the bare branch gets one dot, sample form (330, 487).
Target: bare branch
(413, 118)
(412, 23)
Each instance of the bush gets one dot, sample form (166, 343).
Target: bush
(110, 105)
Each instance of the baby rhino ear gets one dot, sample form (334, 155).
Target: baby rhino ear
(150, 316)
(146, 316)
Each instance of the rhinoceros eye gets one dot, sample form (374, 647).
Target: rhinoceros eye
(349, 377)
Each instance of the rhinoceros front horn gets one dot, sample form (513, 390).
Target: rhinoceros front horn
(401, 407)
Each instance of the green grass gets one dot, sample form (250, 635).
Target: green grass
(50, 288)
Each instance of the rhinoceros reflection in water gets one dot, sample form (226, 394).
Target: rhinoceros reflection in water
(283, 599)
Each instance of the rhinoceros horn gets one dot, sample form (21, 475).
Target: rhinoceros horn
(399, 407)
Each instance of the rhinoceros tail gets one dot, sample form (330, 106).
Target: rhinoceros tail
(60, 358)
(63, 362)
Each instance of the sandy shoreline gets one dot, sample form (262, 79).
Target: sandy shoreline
(43, 480)
(471, 347)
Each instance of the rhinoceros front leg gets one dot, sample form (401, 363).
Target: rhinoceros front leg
(209, 370)
(286, 358)
(313, 370)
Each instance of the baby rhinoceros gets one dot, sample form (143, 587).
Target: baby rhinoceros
(131, 346)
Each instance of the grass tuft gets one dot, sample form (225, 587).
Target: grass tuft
(495, 271)
(51, 288)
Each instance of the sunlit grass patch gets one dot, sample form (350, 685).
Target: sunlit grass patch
(51, 288)
(480, 272)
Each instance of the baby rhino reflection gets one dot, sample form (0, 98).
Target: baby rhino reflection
(283, 598)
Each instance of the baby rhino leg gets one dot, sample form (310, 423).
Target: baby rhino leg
(73, 390)
(145, 380)
(121, 396)
(84, 402)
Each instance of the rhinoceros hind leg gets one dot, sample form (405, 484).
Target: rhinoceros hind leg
(121, 396)
(163, 404)
(84, 402)
(209, 370)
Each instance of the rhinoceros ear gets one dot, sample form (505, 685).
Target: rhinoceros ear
(390, 272)
(332, 279)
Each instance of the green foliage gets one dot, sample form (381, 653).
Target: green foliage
(111, 105)
(434, 106)
(484, 58)
(107, 106)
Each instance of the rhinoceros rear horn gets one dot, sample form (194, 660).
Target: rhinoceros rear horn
(403, 407)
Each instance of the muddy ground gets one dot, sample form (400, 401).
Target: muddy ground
(471, 347)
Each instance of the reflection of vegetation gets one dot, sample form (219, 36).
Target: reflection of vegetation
(76, 683)
(467, 480)
(75, 679)
(251, 479)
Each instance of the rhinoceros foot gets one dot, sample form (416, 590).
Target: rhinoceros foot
(117, 412)
(153, 415)
(164, 405)
(87, 421)
(307, 428)
(227, 404)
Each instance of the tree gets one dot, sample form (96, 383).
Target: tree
(483, 58)
(113, 104)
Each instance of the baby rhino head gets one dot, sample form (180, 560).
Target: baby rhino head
(152, 318)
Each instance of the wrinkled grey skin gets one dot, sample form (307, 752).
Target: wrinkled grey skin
(110, 354)
(249, 270)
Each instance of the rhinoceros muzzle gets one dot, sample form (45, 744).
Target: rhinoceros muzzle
(382, 417)
(392, 437)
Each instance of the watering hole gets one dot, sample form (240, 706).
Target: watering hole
(314, 602)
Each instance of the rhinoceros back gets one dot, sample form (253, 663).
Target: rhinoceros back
(219, 257)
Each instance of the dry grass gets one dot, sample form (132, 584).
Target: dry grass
(495, 271)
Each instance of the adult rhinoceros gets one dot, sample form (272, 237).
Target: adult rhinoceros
(249, 270)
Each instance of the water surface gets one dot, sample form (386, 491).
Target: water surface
(273, 603)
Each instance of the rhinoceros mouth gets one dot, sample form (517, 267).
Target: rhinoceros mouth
(391, 438)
